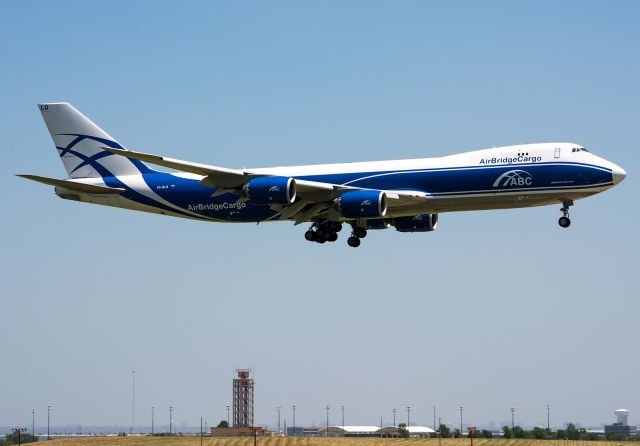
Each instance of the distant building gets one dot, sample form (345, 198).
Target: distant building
(243, 399)
(239, 431)
(374, 431)
(295, 431)
(621, 426)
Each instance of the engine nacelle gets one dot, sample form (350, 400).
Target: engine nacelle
(270, 190)
(362, 204)
(419, 223)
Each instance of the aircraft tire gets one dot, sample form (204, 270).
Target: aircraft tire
(332, 237)
(359, 232)
(564, 222)
(310, 235)
(353, 241)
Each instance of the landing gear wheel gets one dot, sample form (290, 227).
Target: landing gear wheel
(335, 226)
(359, 232)
(353, 241)
(332, 237)
(564, 222)
(311, 235)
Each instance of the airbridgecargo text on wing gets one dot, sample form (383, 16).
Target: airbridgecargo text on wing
(511, 160)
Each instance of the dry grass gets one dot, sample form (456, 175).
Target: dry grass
(314, 441)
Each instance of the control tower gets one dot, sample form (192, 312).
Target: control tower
(622, 417)
(243, 386)
(621, 426)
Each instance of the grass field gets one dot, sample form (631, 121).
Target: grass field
(314, 441)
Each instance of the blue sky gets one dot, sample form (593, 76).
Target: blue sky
(493, 310)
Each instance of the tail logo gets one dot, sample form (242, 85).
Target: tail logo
(514, 178)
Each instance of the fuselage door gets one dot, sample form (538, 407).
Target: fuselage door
(556, 154)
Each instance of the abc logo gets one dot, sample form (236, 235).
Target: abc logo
(514, 178)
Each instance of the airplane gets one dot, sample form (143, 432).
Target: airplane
(406, 194)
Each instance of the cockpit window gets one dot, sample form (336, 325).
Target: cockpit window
(579, 149)
(583, 149)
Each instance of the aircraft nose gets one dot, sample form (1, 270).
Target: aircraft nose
(618, 174)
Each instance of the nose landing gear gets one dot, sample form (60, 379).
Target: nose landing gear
(564, 221)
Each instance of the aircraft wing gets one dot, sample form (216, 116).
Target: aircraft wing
(314, 198)
(215, 176)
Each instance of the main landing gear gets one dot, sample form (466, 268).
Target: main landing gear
(327, 231)
(356, 235)
(564, 221)
(323, 232)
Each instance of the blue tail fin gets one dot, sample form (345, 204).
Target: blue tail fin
(79, 143)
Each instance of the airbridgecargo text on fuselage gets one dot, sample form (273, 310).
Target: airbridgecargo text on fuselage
(216, 206)
(511, 160)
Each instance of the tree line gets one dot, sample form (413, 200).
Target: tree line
(537, 433)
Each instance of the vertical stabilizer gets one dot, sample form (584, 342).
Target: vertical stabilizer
(79, 143)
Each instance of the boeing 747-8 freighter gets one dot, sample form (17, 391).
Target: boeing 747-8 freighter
(406, 194)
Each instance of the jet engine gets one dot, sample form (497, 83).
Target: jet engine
(270, 190)
(419, 223)
(362, 204)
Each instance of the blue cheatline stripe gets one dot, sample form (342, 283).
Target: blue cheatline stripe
(339, 176)
(139, 198)
(540, 189)
(143, 168)
(368, 175)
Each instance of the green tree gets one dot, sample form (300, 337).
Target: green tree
(518, 432)
(572, 432)
(484, 433)
(403, 431)
(24, 438)
(444, 431)
(589, 436)
(539, 433)
(223, 423)
(457, 433)
(506, 430)
(560, 434)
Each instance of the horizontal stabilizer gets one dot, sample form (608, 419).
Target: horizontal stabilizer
(74, 185)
